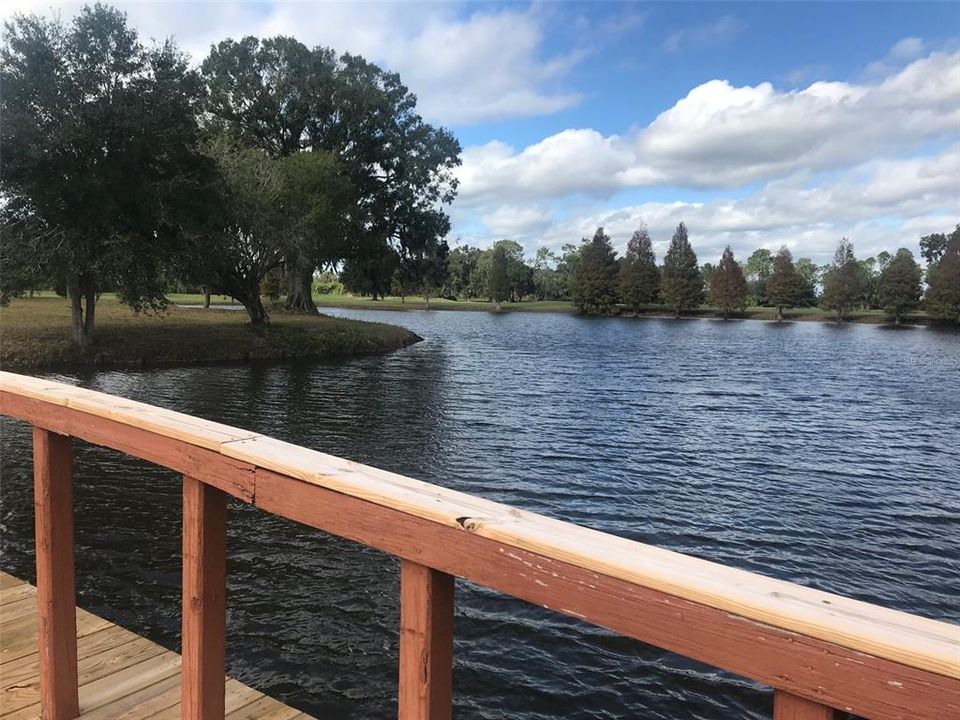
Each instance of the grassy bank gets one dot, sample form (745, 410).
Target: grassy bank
(411, 303)
(35, 333)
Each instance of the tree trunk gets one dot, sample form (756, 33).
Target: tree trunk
(676, 313)
(300, 289)
(83, 302)
(249, 296)
(897, 319)
(427, 298)
(206, 298)
(255, 310)
(90, 300)
(779, 314)
(76, 316)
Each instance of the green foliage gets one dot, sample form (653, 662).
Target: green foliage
(899, 285)
(785, 286)
(498, 278)
(277, 95)
(547, 283)
(842, 283)
(327, 283)
(943, 283)
(639, 274)
(462, 265)
(100, 175)
(810, 273)
(595, 281)
(933, 246)
(759, 268)
(728, 287)
(682, 283)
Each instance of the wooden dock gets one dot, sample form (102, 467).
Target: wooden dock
(122, 675)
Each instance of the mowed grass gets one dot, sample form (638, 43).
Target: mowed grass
(417, 303)
(35, 333)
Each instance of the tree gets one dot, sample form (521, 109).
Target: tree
(728, 287)
(785, 286)
(943, 283)
(934, 246)
(426, 271)
(883, 259)
(898, 289)
(809, 272)
(518, 272)
(546, 281)
(316, 199)
(595, 282)
(462, 263)
(246, 236)
(278, 95)
(869, 282)
(567, 268)
(498, 279)
(101, 172)
(682, 283)
(759, 267)
(842, 281)
(639, 274)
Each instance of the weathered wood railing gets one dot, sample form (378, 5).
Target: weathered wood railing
(822, 653)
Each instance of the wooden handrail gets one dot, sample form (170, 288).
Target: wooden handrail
(817, 649)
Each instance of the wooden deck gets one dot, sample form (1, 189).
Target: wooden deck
(122, 675)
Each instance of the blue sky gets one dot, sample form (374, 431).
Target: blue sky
(758, 124)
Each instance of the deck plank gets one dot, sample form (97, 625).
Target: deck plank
(121, 675)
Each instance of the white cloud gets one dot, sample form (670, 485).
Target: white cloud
(508, 221)
(905, 50)
(882, 204)
(465, 69)
(722, 136)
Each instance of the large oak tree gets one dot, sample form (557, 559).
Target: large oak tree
(279, 95)
(100, 169)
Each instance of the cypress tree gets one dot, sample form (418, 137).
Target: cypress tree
(595, 280)
(785, 287)
(728, 286)
(899, 287)
(639, 274)
(682, 283)
(842, 282)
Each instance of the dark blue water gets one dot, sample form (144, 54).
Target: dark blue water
(825, 455)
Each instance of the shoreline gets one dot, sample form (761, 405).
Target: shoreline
(863, 317)
(35, 334)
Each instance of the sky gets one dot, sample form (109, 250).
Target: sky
(757, 124)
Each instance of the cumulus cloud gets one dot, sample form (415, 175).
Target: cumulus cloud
(723, 136)
(465, 68)
(881, 204)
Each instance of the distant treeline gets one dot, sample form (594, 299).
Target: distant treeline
(598, 282)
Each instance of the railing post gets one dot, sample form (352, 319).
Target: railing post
(204, 600)
(426, 643)
(56, 593)
(787, 706)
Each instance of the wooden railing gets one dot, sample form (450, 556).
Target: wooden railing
(823, 654)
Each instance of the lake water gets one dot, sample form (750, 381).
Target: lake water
(825, 455)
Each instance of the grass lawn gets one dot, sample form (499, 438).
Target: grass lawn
(35, 332)
(417, 303)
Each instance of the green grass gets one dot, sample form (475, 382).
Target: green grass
(35, 333)
(418, 303)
